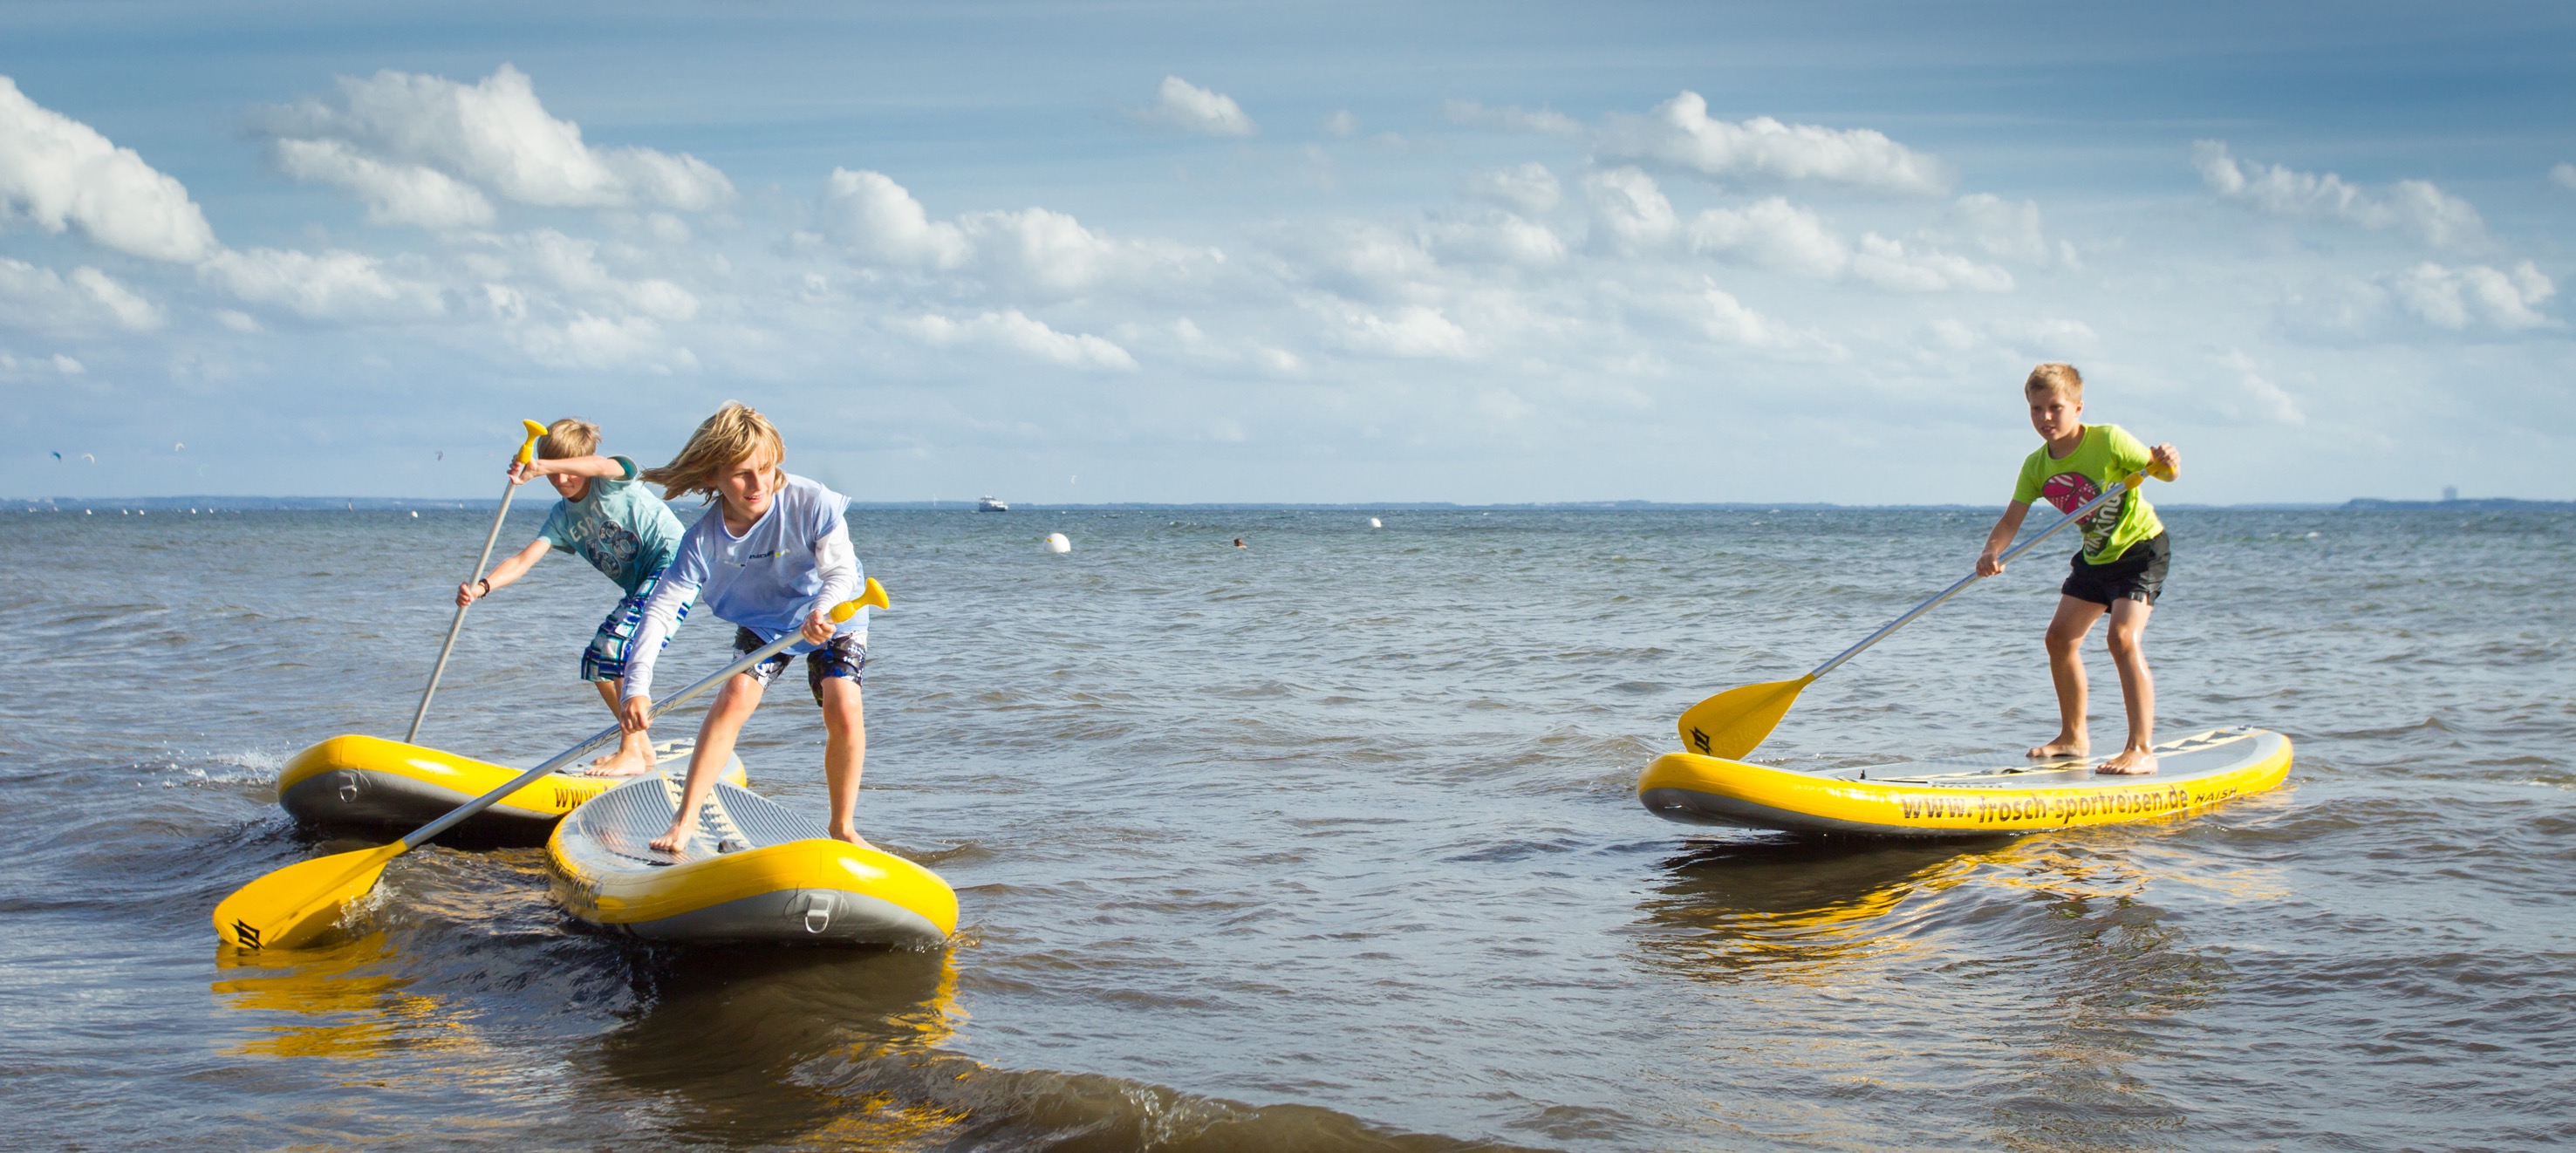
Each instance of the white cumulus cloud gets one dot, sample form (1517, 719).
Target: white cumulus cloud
(1891, 265)
(62, 174)
(1629, 213)
(1036, 250)
(1528, 187)
(1414, 331)
(1014, 331)
(1190, 108)
(2457, 298)
(1680, 133)
(1493, 237)
(494, 134)
(335, 285)
(41, 300)
(2269, 399)
(393, 193)
(1772, 233)
(2415, 207)
(880, 223)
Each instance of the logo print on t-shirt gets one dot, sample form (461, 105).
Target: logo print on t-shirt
(2069, 490)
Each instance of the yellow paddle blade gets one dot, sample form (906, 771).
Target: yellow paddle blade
(1732, 723)
(300, 903)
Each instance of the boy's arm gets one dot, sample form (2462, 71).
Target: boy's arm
(511, 568)
(660, 617)
(2007, 526)
(594, 467)
(838, 564)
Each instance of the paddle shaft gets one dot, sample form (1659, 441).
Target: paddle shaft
(2086, 509)
(421, 836)
(526, 452)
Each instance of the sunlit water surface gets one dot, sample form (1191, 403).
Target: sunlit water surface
(1328, 843)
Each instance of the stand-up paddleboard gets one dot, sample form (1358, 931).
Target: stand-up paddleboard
(1963, 796)
(755, 871)
(366, 783)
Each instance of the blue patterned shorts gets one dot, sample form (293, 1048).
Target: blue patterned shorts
(605, 659)
(842, 656)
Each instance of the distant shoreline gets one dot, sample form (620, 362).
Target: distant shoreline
(410, 504)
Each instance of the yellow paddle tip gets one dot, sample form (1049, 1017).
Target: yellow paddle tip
(536, 431)
(302, 903)
(873, 597)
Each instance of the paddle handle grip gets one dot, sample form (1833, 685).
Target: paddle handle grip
(2128, 482)
(527, 452)
(874, 596)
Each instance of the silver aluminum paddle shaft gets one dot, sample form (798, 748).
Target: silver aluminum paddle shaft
(2086, 509)
(468, 809)
(527, 451)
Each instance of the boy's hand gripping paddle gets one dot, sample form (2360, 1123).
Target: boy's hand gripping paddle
(1732, 723)
(527, 452)
(294, 905)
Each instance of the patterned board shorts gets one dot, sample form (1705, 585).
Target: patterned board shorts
(843, 656)
(605, 659)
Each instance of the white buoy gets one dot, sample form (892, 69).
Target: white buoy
(1374, 523)
(415, 514)
(1058, 542)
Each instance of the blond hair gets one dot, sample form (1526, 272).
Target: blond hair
(569, 437)
(736, 433)
(2057, 378)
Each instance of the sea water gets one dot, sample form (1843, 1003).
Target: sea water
(1329, 842)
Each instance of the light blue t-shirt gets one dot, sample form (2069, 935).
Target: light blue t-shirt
(796, 557)
(619, 526)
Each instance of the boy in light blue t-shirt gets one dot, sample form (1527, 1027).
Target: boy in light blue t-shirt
(609, 519)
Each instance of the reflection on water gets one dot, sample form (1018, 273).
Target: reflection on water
(1905, 936)
(1805, 904)
(347, 1002)
(757, 1046)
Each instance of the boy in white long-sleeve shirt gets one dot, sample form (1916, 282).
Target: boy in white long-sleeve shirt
(772, 558)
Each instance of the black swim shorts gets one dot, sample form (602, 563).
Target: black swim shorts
(2138, 575)
(842, 656)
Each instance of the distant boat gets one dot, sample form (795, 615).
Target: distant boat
(988, 504)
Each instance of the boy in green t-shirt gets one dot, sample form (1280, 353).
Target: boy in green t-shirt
(613, 521)
(2119, 570)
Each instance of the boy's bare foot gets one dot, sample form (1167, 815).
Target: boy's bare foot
(852, 836)
(2058, 750)
(622, 763)
(679, 834)
(2130, 763)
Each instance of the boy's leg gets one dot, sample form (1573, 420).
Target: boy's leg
(734, 704)
(2128, 637)
(634, 755)
(604, 664)
(2066, 631)
(845, 754)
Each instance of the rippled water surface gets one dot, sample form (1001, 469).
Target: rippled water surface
(1328, 843)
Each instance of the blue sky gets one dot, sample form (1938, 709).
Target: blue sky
(1473, 252)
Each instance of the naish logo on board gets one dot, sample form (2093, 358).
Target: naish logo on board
(1699, 740)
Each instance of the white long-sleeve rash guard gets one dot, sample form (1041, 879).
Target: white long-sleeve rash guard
(796, 558)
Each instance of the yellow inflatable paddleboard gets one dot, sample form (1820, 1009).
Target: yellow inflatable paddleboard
(1963, 796)
(369, 783)
(755, 871)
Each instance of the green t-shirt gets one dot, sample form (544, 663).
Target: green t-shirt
(619, 526)
(2107, 456)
